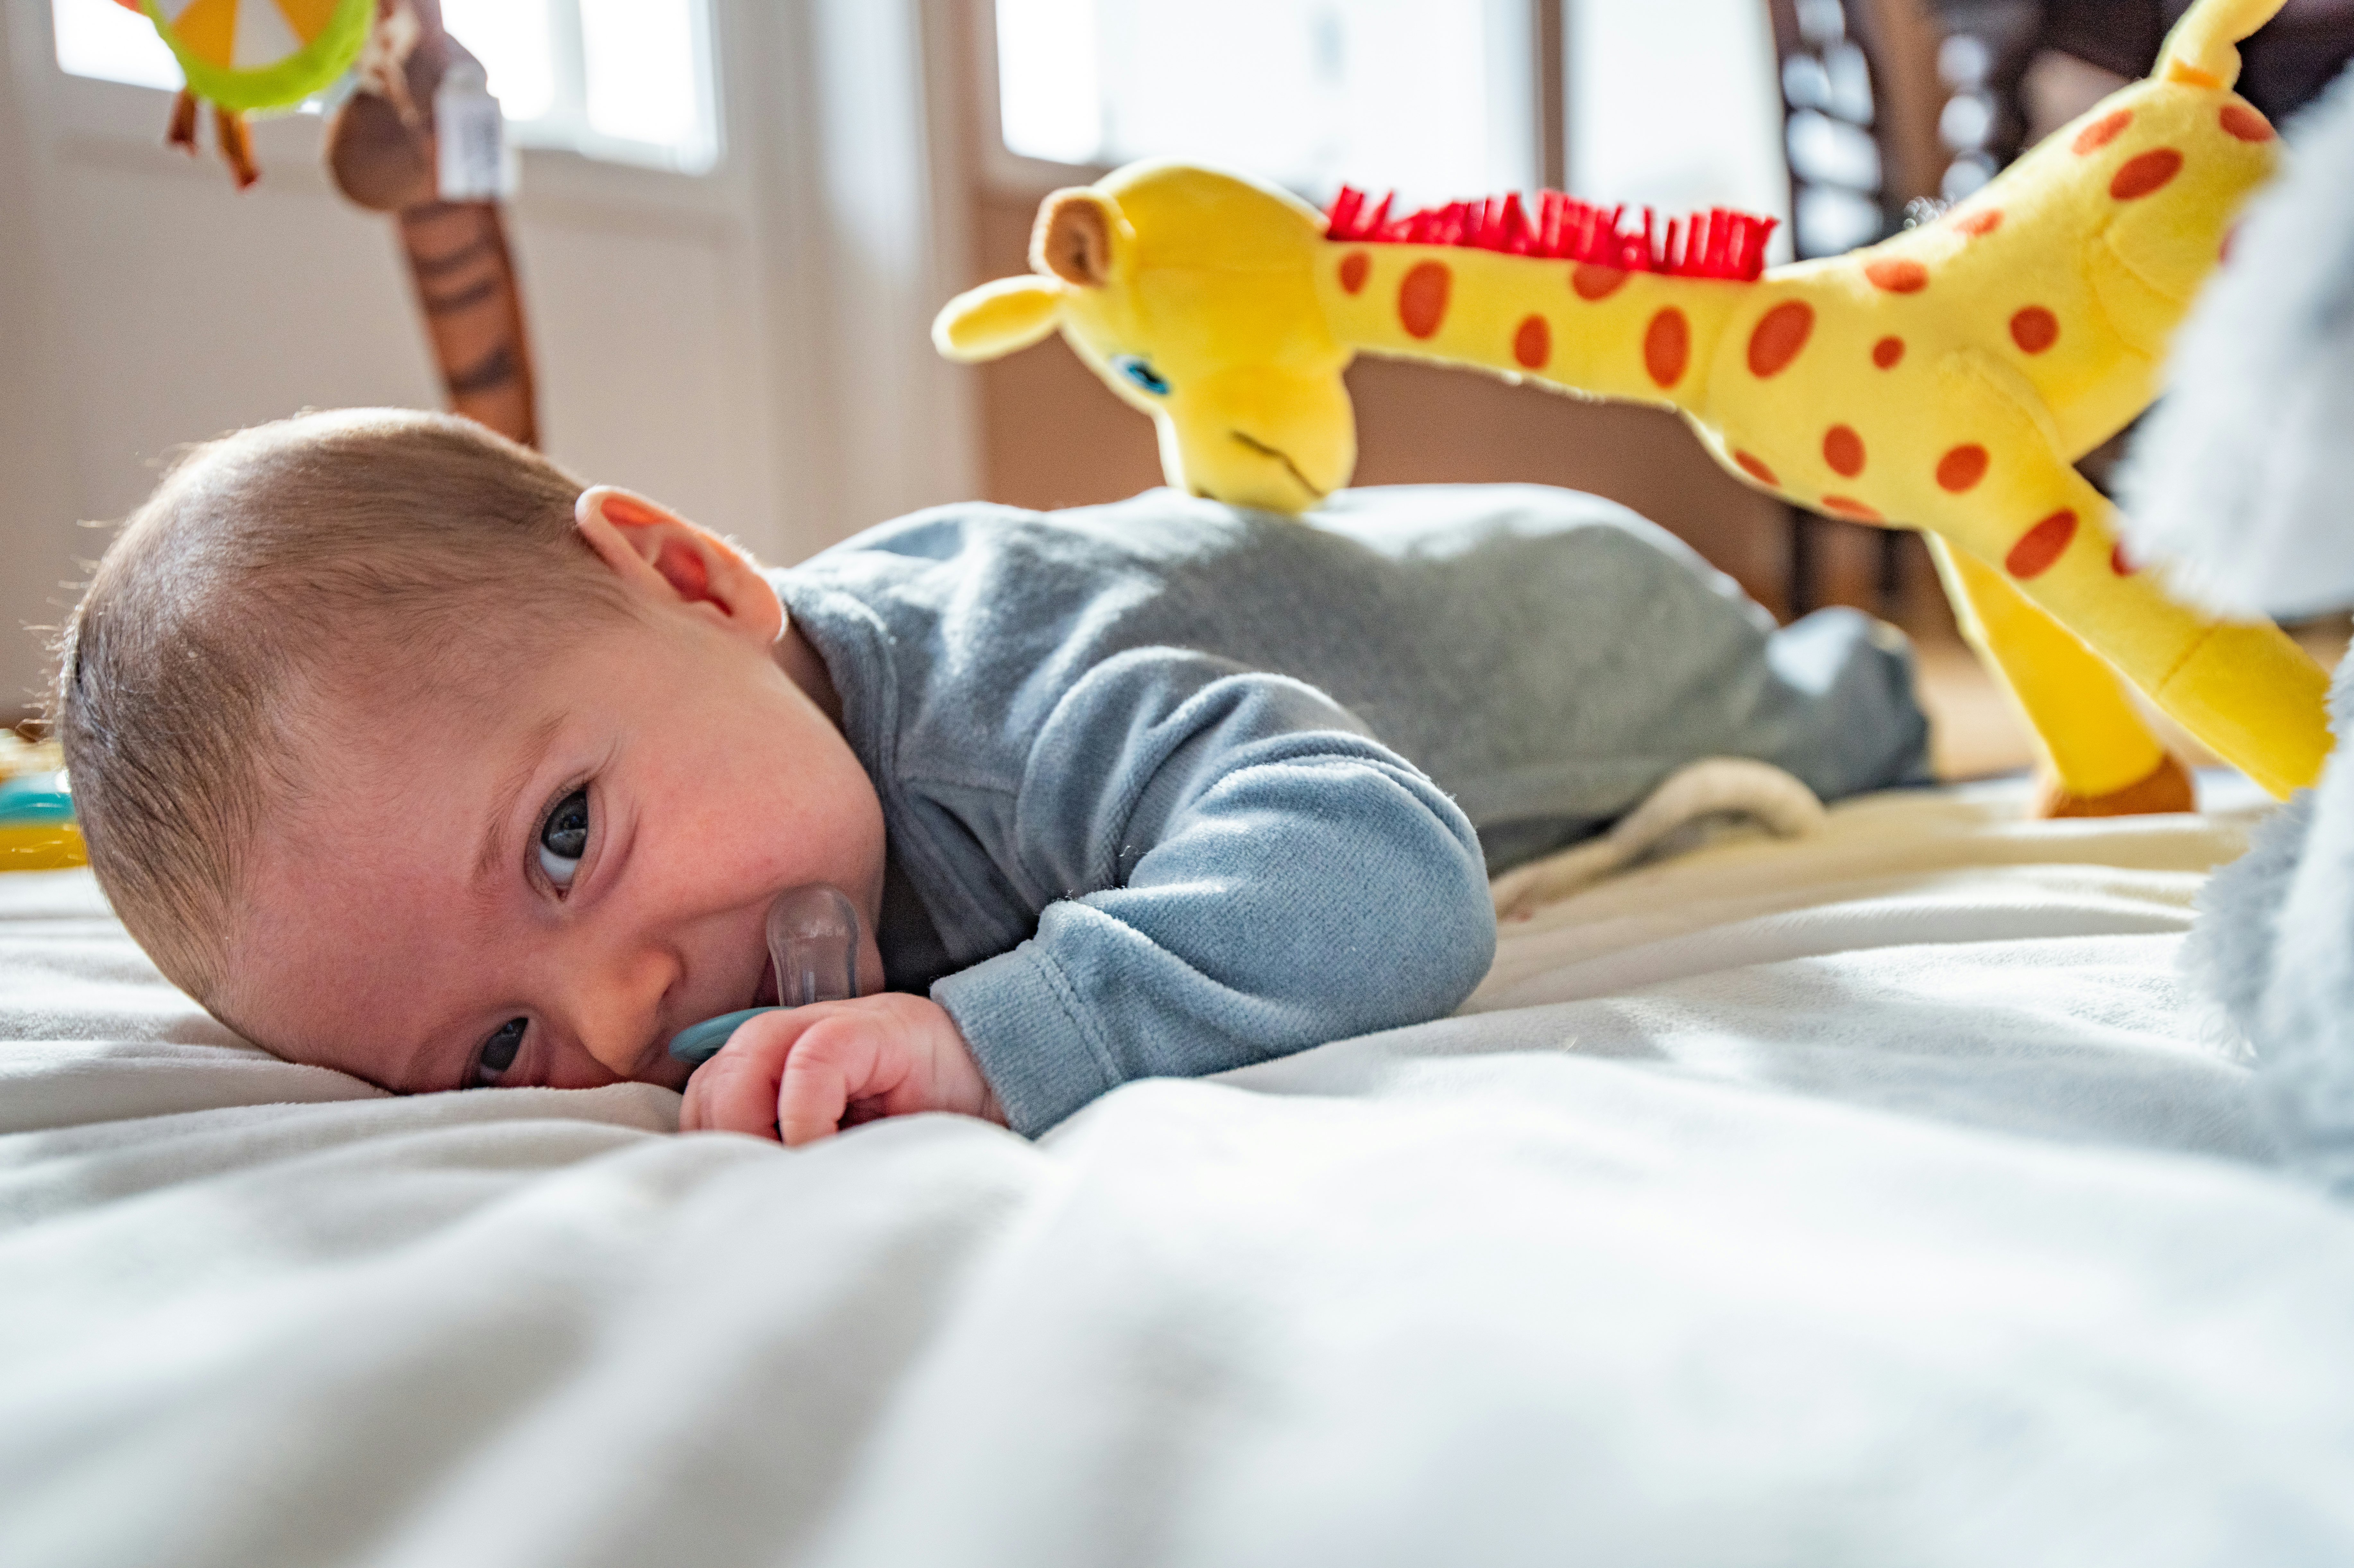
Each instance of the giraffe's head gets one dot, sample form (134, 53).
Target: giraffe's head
(1193, 294)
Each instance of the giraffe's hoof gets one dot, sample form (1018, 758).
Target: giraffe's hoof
(2168, 788)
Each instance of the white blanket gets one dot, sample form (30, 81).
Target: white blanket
(1867, 1199)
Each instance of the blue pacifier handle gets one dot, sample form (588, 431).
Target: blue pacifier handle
(698, 1043)
(813, 934)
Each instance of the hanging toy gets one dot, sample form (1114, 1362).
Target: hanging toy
(240, 56)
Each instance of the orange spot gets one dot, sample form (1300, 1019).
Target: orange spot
(2224, 251)
(2191, 75)
(1843, 450)
(1594, 281)
(2145, 171)
(2245, 123)
(1422, 299)
(2101, 132)
(1755, 470)
(1353, 267)
(1667, 344)
(1887, 352)
(1980, 223)
(1532, 344)
(1897, 275)
(2041, 546)
(1779, 334)
(1848, 506)
(1961, 468)
(2117, 562)
(2034, 329)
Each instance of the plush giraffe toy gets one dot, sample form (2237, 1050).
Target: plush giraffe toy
(1944, 380)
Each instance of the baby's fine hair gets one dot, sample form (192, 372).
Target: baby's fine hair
(365, 557)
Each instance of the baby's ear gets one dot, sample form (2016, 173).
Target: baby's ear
(672, 562)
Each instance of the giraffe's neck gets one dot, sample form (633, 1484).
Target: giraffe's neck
(1639, 338)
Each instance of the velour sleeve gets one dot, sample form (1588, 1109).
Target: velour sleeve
(1230, 869)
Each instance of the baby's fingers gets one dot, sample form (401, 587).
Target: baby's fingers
(736, 1091)
(830, 1069)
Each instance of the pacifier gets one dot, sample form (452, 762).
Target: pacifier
(813, 943)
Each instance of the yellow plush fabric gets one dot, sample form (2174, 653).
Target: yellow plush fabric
(1945, 379)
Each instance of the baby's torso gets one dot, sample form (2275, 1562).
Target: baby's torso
(1546, 657)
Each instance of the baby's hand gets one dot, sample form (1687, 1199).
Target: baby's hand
(804, 1073)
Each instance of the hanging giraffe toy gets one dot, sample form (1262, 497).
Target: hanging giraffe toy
(1944, 380)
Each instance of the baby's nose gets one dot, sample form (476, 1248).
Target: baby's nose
(619, 1023)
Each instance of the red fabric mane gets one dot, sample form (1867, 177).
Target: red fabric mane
(1718, 243)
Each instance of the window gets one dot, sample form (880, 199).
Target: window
(625, 80)
(1432, 97)
(100, 39)
(1670, 103)
(1673, 105)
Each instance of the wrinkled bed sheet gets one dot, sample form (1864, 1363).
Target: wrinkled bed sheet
(1875, 1198)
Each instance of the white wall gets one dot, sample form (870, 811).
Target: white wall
(748, 346)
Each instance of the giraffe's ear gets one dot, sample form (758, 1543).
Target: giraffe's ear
(1073, 236)
(997, 318)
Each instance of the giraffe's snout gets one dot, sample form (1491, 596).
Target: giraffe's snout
(1261, 436)
(1264, 449)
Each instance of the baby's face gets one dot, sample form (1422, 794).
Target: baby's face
(546, 892)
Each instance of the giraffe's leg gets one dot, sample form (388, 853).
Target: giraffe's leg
(2101, 758)
(2243, 689)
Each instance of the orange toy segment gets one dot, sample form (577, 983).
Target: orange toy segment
(309, 18)
(207, 29)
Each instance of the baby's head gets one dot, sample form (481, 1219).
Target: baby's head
(404, 754)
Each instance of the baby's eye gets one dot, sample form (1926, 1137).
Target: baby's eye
(499, 1052)
(1140, 371)
(564, 838)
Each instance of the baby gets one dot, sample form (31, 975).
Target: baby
(407, 755)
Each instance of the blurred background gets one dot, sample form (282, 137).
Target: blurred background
(736, 218)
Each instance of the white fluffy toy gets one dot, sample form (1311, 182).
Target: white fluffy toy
(2242, 488)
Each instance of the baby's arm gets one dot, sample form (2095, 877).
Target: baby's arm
(1230, 869)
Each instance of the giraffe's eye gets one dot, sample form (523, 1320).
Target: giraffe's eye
(1141, 372)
